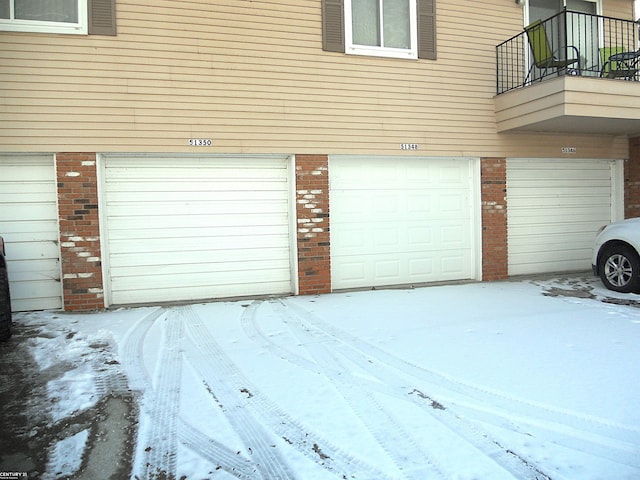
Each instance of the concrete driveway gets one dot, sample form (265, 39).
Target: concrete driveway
(535, 378)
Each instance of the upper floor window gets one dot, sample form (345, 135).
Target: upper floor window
(384, 28)
(95, 17)
(381, 27)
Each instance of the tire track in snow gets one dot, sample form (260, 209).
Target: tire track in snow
(216, 453)
(132, 351)
(391, 385)
(576, 432)
(399, 445)
(139, 378)
(223, 376)
(162, 435)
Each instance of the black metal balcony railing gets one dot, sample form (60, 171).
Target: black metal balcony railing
(569, 43)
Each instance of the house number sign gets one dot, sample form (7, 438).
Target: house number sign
(408, 146)
(569, 149)
(200, 142)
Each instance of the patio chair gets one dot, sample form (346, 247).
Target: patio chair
(618, 63)
(544, 57)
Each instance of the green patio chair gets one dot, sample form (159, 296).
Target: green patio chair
(544, 57)
(617, 65)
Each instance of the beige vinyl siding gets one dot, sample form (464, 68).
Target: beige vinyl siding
(253, 77)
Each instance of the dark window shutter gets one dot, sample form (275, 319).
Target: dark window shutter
(333, 25)
(427, 29)
(102, 17)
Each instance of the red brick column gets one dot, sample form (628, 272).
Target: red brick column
(312, 213)
(494, 218)
(632, 180)
(79, 231)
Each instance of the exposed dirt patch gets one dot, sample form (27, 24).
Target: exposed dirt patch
(585, 287)
(31, 430)
(568, 292)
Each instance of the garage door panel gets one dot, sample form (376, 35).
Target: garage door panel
(210, 260)
(524, 229)
(33, 195)
(37, 270)
(24, 250)
(419, 237)
(388, 270)
(31, 231)
(40, 288)
(452, 265)
(555, 208)
(133, 294)
(211, 194)
(405, 204)
(23, 170)
(194, 207)
(234, 273)
(30, 212)
(555, 261)
(209, 230)
(393, 219)
(135, 170)
(564, 188)
(580, 221)
(556, 255)
(407, 239)
(231, 242)
(384, 238)
(558, 242)
(396, 269)
(596, 199)
(419, 204)
(454, 204)
(185, 228)
(451, 175)
(156, 225)
(420, 267)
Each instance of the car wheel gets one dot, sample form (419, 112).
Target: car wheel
(5, 306)
(619, 269)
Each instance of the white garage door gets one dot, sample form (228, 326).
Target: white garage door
(29, 226)
(400, 220)
(187, 228)
(555, 208)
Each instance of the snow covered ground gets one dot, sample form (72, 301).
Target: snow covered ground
(531, 379)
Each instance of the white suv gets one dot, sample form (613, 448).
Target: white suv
(615, 256)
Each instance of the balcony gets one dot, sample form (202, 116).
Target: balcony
(571, 73)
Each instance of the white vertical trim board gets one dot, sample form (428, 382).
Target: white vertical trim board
(555, 208)
(617, 183)
(104, 230)
(293, 226)
(184, 228)
(402, 220)
(29, 226)
(476, 209)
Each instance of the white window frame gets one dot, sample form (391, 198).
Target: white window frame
(35, 26)
(355, 49)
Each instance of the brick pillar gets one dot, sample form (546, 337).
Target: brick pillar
(312, 213)
(79, 231)
(494, 218)
(632, 180)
